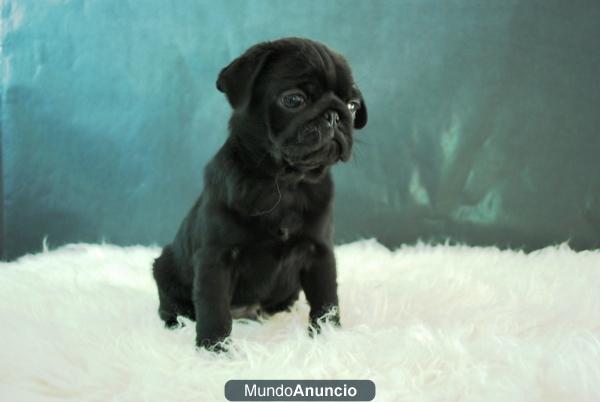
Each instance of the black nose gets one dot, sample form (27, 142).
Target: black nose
(332, 117)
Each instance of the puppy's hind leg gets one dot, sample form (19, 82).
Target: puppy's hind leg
(173, 299)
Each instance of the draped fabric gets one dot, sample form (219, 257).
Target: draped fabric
(483, 116)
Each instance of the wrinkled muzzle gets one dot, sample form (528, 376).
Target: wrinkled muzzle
(322, 141)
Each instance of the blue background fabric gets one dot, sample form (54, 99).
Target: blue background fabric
(483, 116)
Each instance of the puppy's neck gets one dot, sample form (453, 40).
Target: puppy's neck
(245, 155)
(252, 159)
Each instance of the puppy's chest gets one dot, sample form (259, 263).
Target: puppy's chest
(287, 219)
(270, 265)
(284, 226)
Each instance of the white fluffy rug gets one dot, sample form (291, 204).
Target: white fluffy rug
(424, 323)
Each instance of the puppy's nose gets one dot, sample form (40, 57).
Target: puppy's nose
(332, 118)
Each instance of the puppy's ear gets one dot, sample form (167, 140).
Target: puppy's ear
(237, 79)
(361, 114)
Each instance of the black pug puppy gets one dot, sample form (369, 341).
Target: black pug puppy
(262, 228)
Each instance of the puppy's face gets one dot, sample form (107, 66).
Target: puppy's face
(297, 101)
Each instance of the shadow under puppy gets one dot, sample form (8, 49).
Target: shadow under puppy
(262, 228)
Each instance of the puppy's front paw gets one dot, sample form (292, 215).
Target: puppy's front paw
(317, 321)
(220, 345)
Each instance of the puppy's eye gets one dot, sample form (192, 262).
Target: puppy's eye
(353, 106)
(293, 100)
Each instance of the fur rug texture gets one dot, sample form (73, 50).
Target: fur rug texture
(425, 323)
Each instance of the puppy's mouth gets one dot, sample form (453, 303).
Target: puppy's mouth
(306, 171)
(315, 147)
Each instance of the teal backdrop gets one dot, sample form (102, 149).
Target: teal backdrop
(484, 116)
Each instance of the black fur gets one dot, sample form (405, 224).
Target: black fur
(261, 230)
